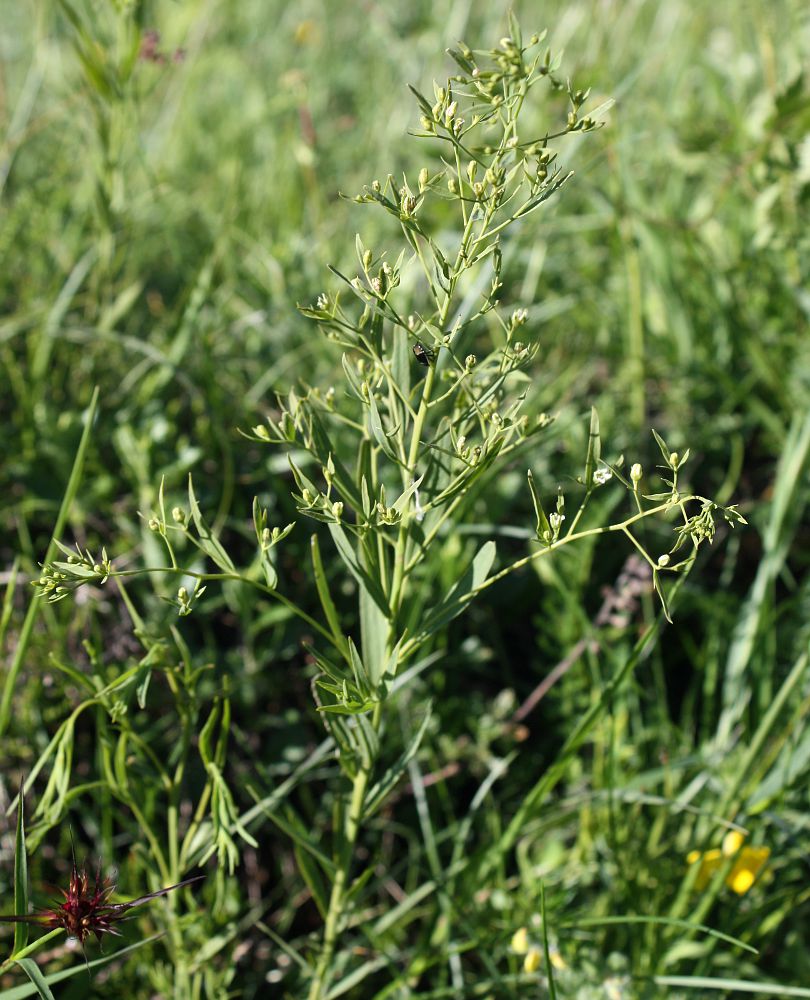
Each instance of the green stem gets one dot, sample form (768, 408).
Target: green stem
(337, 899)
(183, 571)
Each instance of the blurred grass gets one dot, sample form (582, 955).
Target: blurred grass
(155, 239)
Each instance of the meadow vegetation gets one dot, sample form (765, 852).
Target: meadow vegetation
(440, 592)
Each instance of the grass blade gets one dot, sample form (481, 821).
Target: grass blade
(20, 878)
(31, 969)
(33, 608)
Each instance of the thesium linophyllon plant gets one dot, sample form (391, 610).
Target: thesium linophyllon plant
(436, 405)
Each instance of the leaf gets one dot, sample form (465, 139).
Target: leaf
(463, 591)
(374, 627)
(659, 589)
(366, 741)
(424, 103)
(381, 789)
(327, 603)
(292, 826)
(352, 379)
(347, 554)
(378, 431)
(361, 677)
(313, 878)
(80, 969)
(325, 451)
(207, 542)
(594, 449)
(542, 527)
(402, 500)
(514, 29)
(20, 878)
(31, 969)
(552, 989)
(401, 362)
(663, 446)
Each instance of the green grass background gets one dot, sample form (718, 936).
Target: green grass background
(154, 241)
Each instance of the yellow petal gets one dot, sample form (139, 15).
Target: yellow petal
(732, 842)
(531, 963)
(520, 941)
(749, 864)
(740, 881)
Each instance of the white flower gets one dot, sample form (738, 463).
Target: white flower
(601, 476)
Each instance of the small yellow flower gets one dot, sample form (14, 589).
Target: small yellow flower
(531, 963)
(748, 863)
(522, 944)
(306, 31)
(520, 941)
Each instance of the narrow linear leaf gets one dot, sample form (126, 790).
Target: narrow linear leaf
(374, 627)
(375, 425)
(80, 969)
(350, 560)
(734, 986)
(552, 989)
(311, 874)
(594, 449)
(542, 528)
(31, 969)
(210, 545)
(665, 921)
(463, 591)
(328, 605)
(380, 791)
(20, 878)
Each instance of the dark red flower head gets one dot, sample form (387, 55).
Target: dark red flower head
(87, 911)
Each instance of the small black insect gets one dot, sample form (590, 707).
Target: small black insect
(422, 354)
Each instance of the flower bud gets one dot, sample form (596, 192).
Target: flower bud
(337, 509)
(663, 560)
(636, 473)
(178, 515)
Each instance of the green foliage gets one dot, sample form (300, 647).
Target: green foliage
(399, 710)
